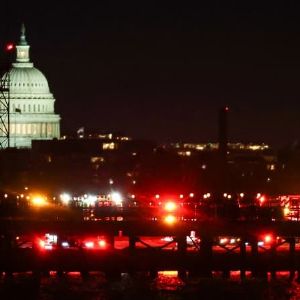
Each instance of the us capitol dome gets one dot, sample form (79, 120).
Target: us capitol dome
(31, 104)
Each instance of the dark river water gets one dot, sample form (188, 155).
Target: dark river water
(166, 286)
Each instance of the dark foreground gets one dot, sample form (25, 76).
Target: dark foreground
(166, 286)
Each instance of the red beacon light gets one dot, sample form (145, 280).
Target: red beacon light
(9, 47)
(170, 220)
(170, 206)
(95, 244)
(42, 244)
(262, 199)
(102, 243)
(89, 244)
(268, 238)
(46, 242)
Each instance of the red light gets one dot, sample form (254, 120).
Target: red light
(42, 244)
(9, 47)
(45, 245)
(102, 243)
(268, 238)
(170, 206)
(262, 199)
(170, 219)
(89, 245)
(223, 241)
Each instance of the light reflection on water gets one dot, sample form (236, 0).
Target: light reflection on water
(167, 285)
(168, 281)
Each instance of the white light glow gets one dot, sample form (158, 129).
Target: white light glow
(65, 244)
(90, 200)
(89, 245)
(117, 198)
(65, 198)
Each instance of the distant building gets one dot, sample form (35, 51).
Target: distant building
(32, 115)
(187, 149)
(100, 161)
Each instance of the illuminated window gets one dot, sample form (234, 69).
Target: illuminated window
(34, 129)
(28, 128)
(43, 129)
(49, 129)
(97, 159)
(184, 153)
(108, 146)
(23, 128)
(22, 54)
(271, 167)
(18, 131)
(12, 128)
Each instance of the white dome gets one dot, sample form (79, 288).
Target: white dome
(31, 104)
(27, 81)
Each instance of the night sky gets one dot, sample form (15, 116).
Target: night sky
(162, 72)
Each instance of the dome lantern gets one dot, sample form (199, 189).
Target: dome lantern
(22, 49)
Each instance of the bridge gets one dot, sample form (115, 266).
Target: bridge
(193, 248)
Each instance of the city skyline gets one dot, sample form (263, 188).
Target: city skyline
(163, 73)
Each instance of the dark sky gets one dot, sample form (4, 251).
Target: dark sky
(162, 71)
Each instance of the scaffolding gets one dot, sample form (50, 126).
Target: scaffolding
(5, 109)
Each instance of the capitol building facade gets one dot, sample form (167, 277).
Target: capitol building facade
(31, 104)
